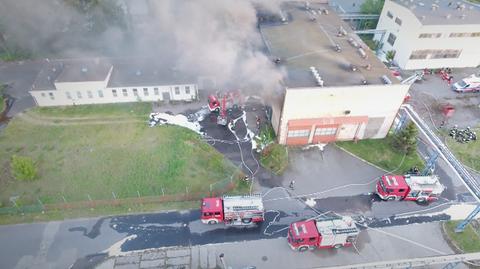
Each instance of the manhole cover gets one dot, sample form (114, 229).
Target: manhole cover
(264, 258)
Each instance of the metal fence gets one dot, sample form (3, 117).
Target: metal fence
(214, 189)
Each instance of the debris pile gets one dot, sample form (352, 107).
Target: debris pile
(463, 135)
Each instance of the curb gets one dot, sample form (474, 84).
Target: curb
(363, 160)
(454, 246)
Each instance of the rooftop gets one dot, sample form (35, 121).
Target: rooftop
(442, 12)
(146, 73)
(304, 43)
(84, 70)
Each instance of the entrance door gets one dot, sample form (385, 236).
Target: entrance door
(166, 96)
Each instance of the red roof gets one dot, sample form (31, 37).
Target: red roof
(395, 182)
(213, 204)
(303, 229)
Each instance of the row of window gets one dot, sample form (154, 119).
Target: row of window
(435, 54)
(318, 132)
(438, 35)
(397, 19)
(115, 93)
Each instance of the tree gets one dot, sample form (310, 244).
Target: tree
(23, 168)
(372, 6)
(390, 55)
(406, 139)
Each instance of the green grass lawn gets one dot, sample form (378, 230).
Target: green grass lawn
(381, 153)
(468, 153)
(128, 110)
(77, 161)
(275, 158)
(468, 240)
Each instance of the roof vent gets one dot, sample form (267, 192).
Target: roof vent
(448, 16)
(318, 78)
(423, 17)
(460, 6)
(435, 6)
(138, 73)
(84, 69)
(386, 80)
(54, 69)
(463, 16)
(421, 4)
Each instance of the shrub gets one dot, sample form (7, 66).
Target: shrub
(406, 140)
(23, 168)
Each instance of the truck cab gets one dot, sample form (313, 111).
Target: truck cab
(213, 103)
(303, 235)
(468, 84)
(212, 210)
(392, 187)
(327, 233)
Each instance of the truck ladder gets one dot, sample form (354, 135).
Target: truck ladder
(414, 262)
(461, 226)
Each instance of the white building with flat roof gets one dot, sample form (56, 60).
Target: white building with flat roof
(335, 87)
(431, 33)
(100, 81)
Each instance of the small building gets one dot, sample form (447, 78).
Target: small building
(100, 81)
(431, 33)
(335, 88)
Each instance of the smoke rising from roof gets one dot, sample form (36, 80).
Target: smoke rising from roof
(212, 38)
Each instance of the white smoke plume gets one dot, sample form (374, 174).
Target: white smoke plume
(216, 38)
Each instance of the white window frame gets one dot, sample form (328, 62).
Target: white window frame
(114, 93)
(298, 133)
(79, 95)
(187, 89)
(52, 97)
(156, 91)
(145, 92)
(100, 93)
(89, 94)
(177, 90)
(325, 131)
(68, 95)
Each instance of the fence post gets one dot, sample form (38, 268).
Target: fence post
(90, 199)
(64, 200)
(163, 193)
(41, 204)
(138, 193)
(114, 196)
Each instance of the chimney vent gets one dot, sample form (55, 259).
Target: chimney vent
(84, 69)
(448, 16)
(138, 73)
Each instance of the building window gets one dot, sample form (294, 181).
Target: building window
(391, 39)
(434, 54)
(125, 93)
(155, 91)
(299, 133)
(43, 94)
(51, 95)
(114, 93)
(177, 90)
(100, 93)
(435, 35)
(145, 91)
(326, 131)
(89, 94)
(476, 34)
(135, 92)
(79, 95)
(69, 96)
(398, 21)
(389, 14)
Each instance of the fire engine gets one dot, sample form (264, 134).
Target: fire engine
(469, 84)
(327, 233)
(233, 210)
(220, 103)
(417, 188)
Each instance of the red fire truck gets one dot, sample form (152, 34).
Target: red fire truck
(421, 189)
(328, 233)
(233, 210)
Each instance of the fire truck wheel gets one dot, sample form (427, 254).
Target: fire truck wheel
(217, 110)
(421, 201)
(337, 246)
(246, 221)
(211, 222)
(303, 248)
(391, 198)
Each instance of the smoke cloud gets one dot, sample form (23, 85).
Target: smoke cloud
(211, 38)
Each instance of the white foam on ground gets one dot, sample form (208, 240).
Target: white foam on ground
(456, 212)
(321, 147)
(179, 120)
(116, 249)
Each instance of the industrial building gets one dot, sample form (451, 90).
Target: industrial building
(100, 81)
(430, 33)
(335, 88)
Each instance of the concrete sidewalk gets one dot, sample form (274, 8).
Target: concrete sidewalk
(385, 244)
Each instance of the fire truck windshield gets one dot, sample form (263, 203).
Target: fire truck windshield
(382, 185)
(462, 84)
